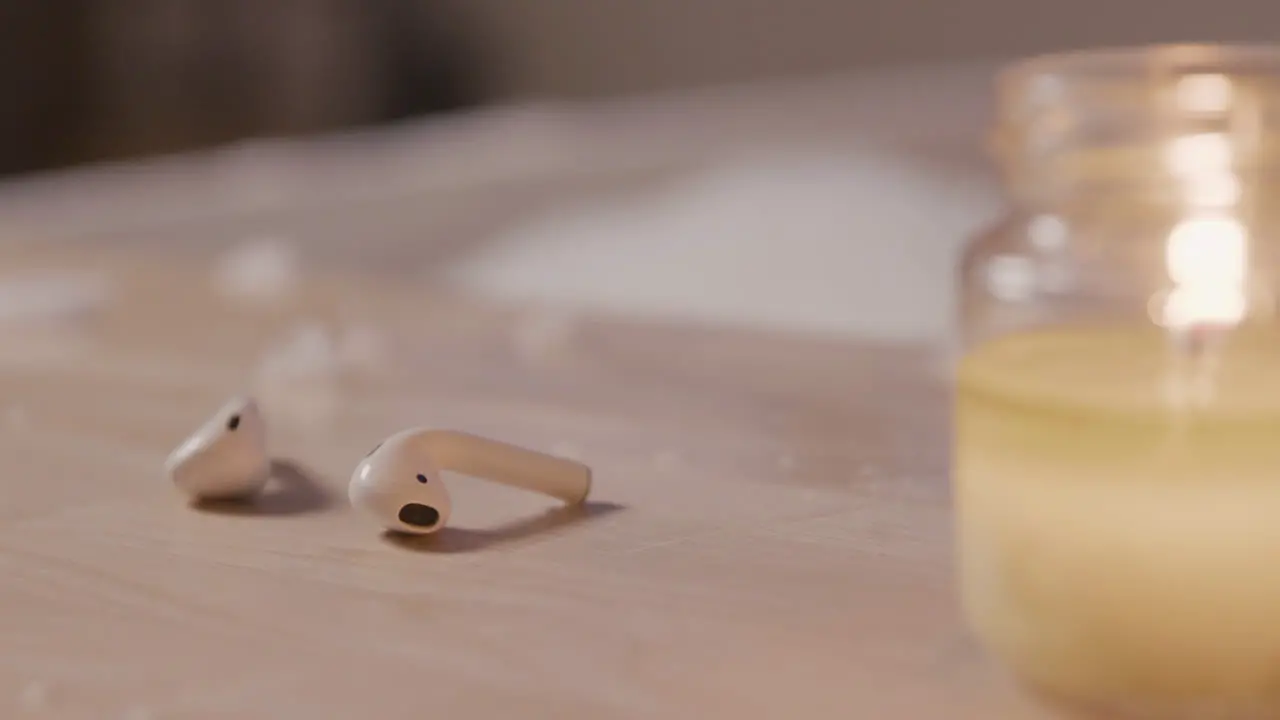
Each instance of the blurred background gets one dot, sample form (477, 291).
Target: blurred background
(662, 157)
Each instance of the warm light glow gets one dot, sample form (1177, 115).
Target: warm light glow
(1206, 254)
(1011, 277)
(1207, 251)
(1190, 155)
(1204, 93)
(1203, 165)
(1047, 232)
(1212, 190)
(1207, 260)
(1189, 307)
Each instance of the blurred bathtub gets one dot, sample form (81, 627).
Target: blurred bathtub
(832, 206)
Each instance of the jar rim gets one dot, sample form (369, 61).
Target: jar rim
(1126, 63)
(1055, 110)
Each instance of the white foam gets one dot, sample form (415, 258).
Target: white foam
(567, 449)
(543, 333)
(14, 417)
(666, 461)
(297, 378)
(362, 348)
(260, 269)
(51, 296)
(308, 350)
(139, 712)
(35, 695)
(854, 242)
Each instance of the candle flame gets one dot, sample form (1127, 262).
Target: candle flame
(1206, 252)
(1207, 260)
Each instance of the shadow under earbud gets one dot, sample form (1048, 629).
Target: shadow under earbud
(292, 490)
(458, 540)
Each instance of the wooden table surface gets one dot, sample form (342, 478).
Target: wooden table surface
(768, 535)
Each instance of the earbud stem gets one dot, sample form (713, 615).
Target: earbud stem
(568, 480)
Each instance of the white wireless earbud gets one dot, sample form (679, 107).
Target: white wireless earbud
(399, 482)
(226, 458)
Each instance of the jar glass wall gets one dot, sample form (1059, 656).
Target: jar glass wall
(1117, 441)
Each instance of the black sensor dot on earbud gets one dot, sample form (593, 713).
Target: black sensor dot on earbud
(233, 422)
(422, 478)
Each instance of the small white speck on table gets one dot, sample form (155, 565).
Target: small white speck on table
(735, 559)
(35, 695)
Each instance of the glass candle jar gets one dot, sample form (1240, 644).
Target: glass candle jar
(1117, 435)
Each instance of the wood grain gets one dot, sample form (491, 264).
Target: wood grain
(768, 535)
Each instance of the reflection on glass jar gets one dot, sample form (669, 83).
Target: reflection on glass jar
(1117, 450)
